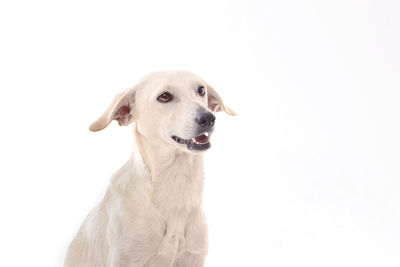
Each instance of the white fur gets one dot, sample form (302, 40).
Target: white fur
(152, 212)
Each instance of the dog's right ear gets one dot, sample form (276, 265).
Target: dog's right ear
(121, 109)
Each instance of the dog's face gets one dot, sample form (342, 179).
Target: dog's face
(173, 107)
(170, 108)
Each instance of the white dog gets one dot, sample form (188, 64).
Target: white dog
(152, 212)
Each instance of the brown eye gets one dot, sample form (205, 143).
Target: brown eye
(165, 97)
(201, 91)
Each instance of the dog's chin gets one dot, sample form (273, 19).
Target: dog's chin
(196, 144)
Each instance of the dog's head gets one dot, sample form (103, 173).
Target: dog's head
(172, 108)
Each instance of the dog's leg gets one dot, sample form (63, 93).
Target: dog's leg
(193, 249)
(166, 253)
(190, 260)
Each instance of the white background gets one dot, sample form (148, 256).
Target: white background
(306, 175)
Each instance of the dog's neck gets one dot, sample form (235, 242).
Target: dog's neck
(174, 177)
(159, 157)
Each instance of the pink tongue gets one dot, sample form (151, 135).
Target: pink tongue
(201, 139)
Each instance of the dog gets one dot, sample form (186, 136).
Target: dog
(152, 212)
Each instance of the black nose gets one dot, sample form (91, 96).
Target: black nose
(205, 119)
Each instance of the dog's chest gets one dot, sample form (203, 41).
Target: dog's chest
(177, 192)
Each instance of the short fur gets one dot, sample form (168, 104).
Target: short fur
(152, 212)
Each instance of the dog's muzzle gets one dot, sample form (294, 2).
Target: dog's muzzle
(205, 124)
(200, 142)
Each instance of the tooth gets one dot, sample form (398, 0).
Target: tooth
(206, 133)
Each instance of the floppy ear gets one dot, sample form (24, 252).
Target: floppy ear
(120, 109)
(215, 103)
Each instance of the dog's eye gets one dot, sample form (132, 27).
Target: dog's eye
(201, 90)
(165, 97)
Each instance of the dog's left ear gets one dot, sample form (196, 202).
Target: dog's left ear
(121, 109)
(215, 102)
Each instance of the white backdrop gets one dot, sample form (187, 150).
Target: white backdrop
(306, 175)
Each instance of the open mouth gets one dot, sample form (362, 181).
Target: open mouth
(200, 142)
